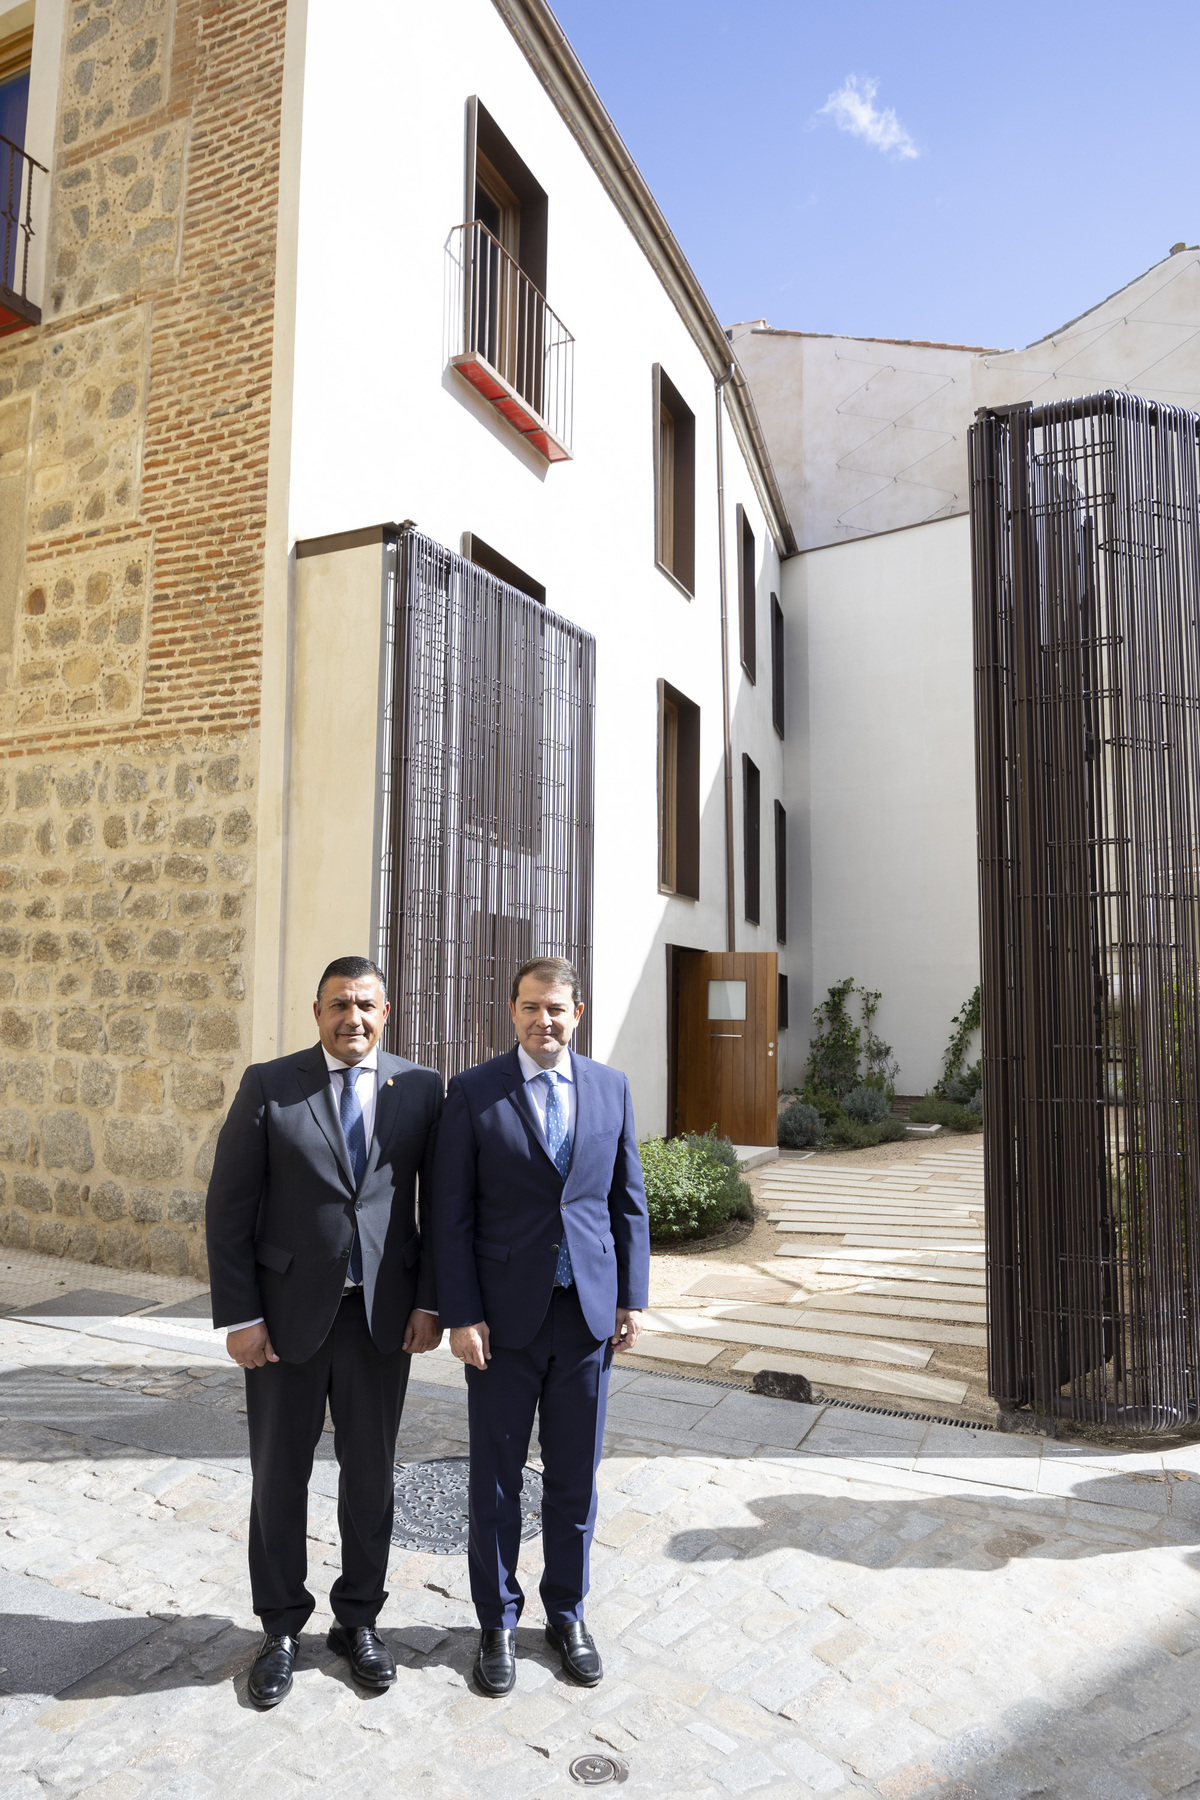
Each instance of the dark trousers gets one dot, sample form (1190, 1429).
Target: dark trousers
(562, 1376)
(285, 1409)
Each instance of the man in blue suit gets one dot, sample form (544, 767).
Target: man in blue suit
(542, 1246)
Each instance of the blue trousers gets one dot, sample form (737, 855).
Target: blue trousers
(562, 1376)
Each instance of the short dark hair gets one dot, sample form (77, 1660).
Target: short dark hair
(554, 969)
(352, 968)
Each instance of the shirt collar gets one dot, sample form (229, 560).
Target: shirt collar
(530, 1070)
(370, 1061)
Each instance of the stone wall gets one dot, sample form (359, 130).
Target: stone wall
(124, 883)
(134, 441)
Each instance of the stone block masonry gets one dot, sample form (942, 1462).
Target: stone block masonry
(124, 883)
(134, 439)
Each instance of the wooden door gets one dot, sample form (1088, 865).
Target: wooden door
(728, 1019)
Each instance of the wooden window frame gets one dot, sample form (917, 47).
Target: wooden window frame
(490, 154)
(678, 794)
(16, 54)
(747, 599)
(777, 706)
(751, 841)
(780, 873)
(674, 488)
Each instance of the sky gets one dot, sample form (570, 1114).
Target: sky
(960, 173)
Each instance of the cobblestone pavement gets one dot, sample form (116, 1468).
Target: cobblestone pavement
(790, 1601)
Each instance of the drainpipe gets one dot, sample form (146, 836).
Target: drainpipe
(726, 721)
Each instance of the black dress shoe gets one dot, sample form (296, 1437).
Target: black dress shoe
(495, 1668)
(368, 1655)
(580, 1657)
(271, 1677)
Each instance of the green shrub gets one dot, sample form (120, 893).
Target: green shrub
(848, 1131)
(827, 1105)
(800, 1126)
(959, 1083)
(867, 1104)
(932, 1111)
(692, 1187)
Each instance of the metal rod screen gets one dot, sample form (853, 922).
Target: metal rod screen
(1086, 551)
(488, 794)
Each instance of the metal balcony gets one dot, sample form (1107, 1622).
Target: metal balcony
(506, 341)
(17, 168)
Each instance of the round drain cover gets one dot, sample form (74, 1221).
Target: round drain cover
(594, 1771)
(431, 1506)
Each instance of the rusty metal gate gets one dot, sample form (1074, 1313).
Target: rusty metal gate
(1086, 551)
(488, 783)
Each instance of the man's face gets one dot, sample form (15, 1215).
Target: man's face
(544, 1016)
(350, 1016)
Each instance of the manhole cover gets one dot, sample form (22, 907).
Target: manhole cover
(594, 1771)
(431, 1507)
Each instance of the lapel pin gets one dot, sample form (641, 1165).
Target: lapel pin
(389, 1081)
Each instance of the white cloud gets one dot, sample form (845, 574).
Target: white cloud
(852, 108)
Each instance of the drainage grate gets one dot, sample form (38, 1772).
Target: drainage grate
(431, 1505)
(594, 1771)
(891, 1412)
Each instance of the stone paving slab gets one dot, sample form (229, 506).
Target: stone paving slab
(789, 1600)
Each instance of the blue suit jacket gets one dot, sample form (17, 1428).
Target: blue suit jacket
(500, 1206)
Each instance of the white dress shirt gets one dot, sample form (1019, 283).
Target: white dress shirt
(538, 1092)
(366, 1088)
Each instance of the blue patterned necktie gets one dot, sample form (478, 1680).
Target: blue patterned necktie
(559, 1146)
(350, 1112)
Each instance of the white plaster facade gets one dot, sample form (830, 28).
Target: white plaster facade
(371, 426)
(869, 440)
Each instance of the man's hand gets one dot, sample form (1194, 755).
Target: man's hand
(471, 1345)
(250, 1348)
(423, 1332)
(629, 1328)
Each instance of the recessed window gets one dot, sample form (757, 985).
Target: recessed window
(777, 664)
(746, 619)
(476, 551)
(780, 873)
(782, 1022)
(15, 52)
(504, 195)
(678, 793)
(674, 483)
(751, 839)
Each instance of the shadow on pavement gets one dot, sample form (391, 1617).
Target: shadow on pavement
(918, 1532)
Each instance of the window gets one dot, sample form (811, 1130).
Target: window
(674, 483)
(15, 53)
(484, 557)
(776, 664)
(751, 835)
(780, 873)
(678, 793)
(781, 1023)
(745, 539)
(503, 194)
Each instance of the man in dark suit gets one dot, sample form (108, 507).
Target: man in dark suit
(326, 1288)
(543, 1252)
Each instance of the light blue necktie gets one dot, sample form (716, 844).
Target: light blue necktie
(350, 1112)
(559, 1145)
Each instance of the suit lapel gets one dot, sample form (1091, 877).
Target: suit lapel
(518, 1093)
(583, 1113)
(313, 1077)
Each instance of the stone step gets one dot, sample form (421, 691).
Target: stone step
(887, 1381)
(971, 1280)
(677, 1350)
(915, 1331)
(768, 1337)
(959, 1312)
(911, 1290)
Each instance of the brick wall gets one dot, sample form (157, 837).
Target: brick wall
(134, 432)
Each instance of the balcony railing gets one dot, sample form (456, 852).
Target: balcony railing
(17, 169)
(507, 342)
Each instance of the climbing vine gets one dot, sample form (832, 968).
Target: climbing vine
(960, 1082)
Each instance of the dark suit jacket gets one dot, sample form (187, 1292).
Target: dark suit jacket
(500, 1205)
(282, 1206)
